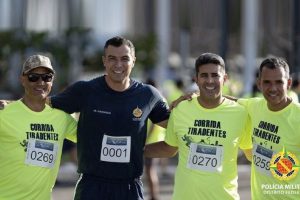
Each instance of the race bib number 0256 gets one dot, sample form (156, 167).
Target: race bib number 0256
(41, 153)
(205, 157)
(115, 149)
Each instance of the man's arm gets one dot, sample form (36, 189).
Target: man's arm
(184, 97)
(230, 97)
(163, 123)
(248, 154)
(160, 150)
(189, 97)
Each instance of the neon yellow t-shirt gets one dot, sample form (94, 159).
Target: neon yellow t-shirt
(271, 132)
(207, 141)
(30, 150)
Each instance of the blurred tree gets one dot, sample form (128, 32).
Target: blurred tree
(65, 50)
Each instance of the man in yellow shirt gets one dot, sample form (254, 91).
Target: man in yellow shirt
(31, 136)
(275, 134)
(206, 132)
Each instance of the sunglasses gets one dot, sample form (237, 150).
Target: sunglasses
(33, 77)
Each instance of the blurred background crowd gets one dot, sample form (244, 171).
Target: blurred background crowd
(168, 35)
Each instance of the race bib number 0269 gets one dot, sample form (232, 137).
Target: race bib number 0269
(205, 157)
(115, 149)
(41, 153)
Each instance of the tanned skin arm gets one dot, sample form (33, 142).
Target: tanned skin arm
(160, 150)
(163, 123)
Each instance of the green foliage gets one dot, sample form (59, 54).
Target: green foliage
(94, 62)
(145, 51)
(24, 42)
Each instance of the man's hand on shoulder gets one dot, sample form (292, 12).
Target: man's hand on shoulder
(184, 97)
(230, 97)
(3, 103)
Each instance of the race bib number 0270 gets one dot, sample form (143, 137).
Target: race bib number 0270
(116, 149)
(41, 153)
(205, 157)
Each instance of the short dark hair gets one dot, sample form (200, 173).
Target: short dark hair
(118, 41)
(207, 58)
(274, 63)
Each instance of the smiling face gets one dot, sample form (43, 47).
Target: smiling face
(118, 63)
(274, 84)
(210, 80)
(38, 90)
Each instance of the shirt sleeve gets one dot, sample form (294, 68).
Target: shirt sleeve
(160, 111)
(71, 99)
(171, 137)
(244, 102)
(71, 129)
(246, 138)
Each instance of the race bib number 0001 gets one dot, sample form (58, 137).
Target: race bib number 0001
(41, 153)
(261, 159)
(116, 149)
(205, 157)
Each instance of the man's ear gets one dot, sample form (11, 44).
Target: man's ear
(133, 62)
(21, 79)
(225, 78)
(195, 79)
(289, 83)
(258, 84)
(103, 61)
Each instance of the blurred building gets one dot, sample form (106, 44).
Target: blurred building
(202, 20)
(193, 26)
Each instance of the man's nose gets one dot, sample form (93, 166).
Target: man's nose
(210, 79)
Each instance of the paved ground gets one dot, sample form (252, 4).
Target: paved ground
(64, 190)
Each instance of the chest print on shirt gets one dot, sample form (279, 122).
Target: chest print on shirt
(102, 112)
(269, 133)
(137, 113)
(188, 140)
(24, 144)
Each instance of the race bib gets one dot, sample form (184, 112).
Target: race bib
(41, 153)
(116, 149)
(261, 159)
(205, 157)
